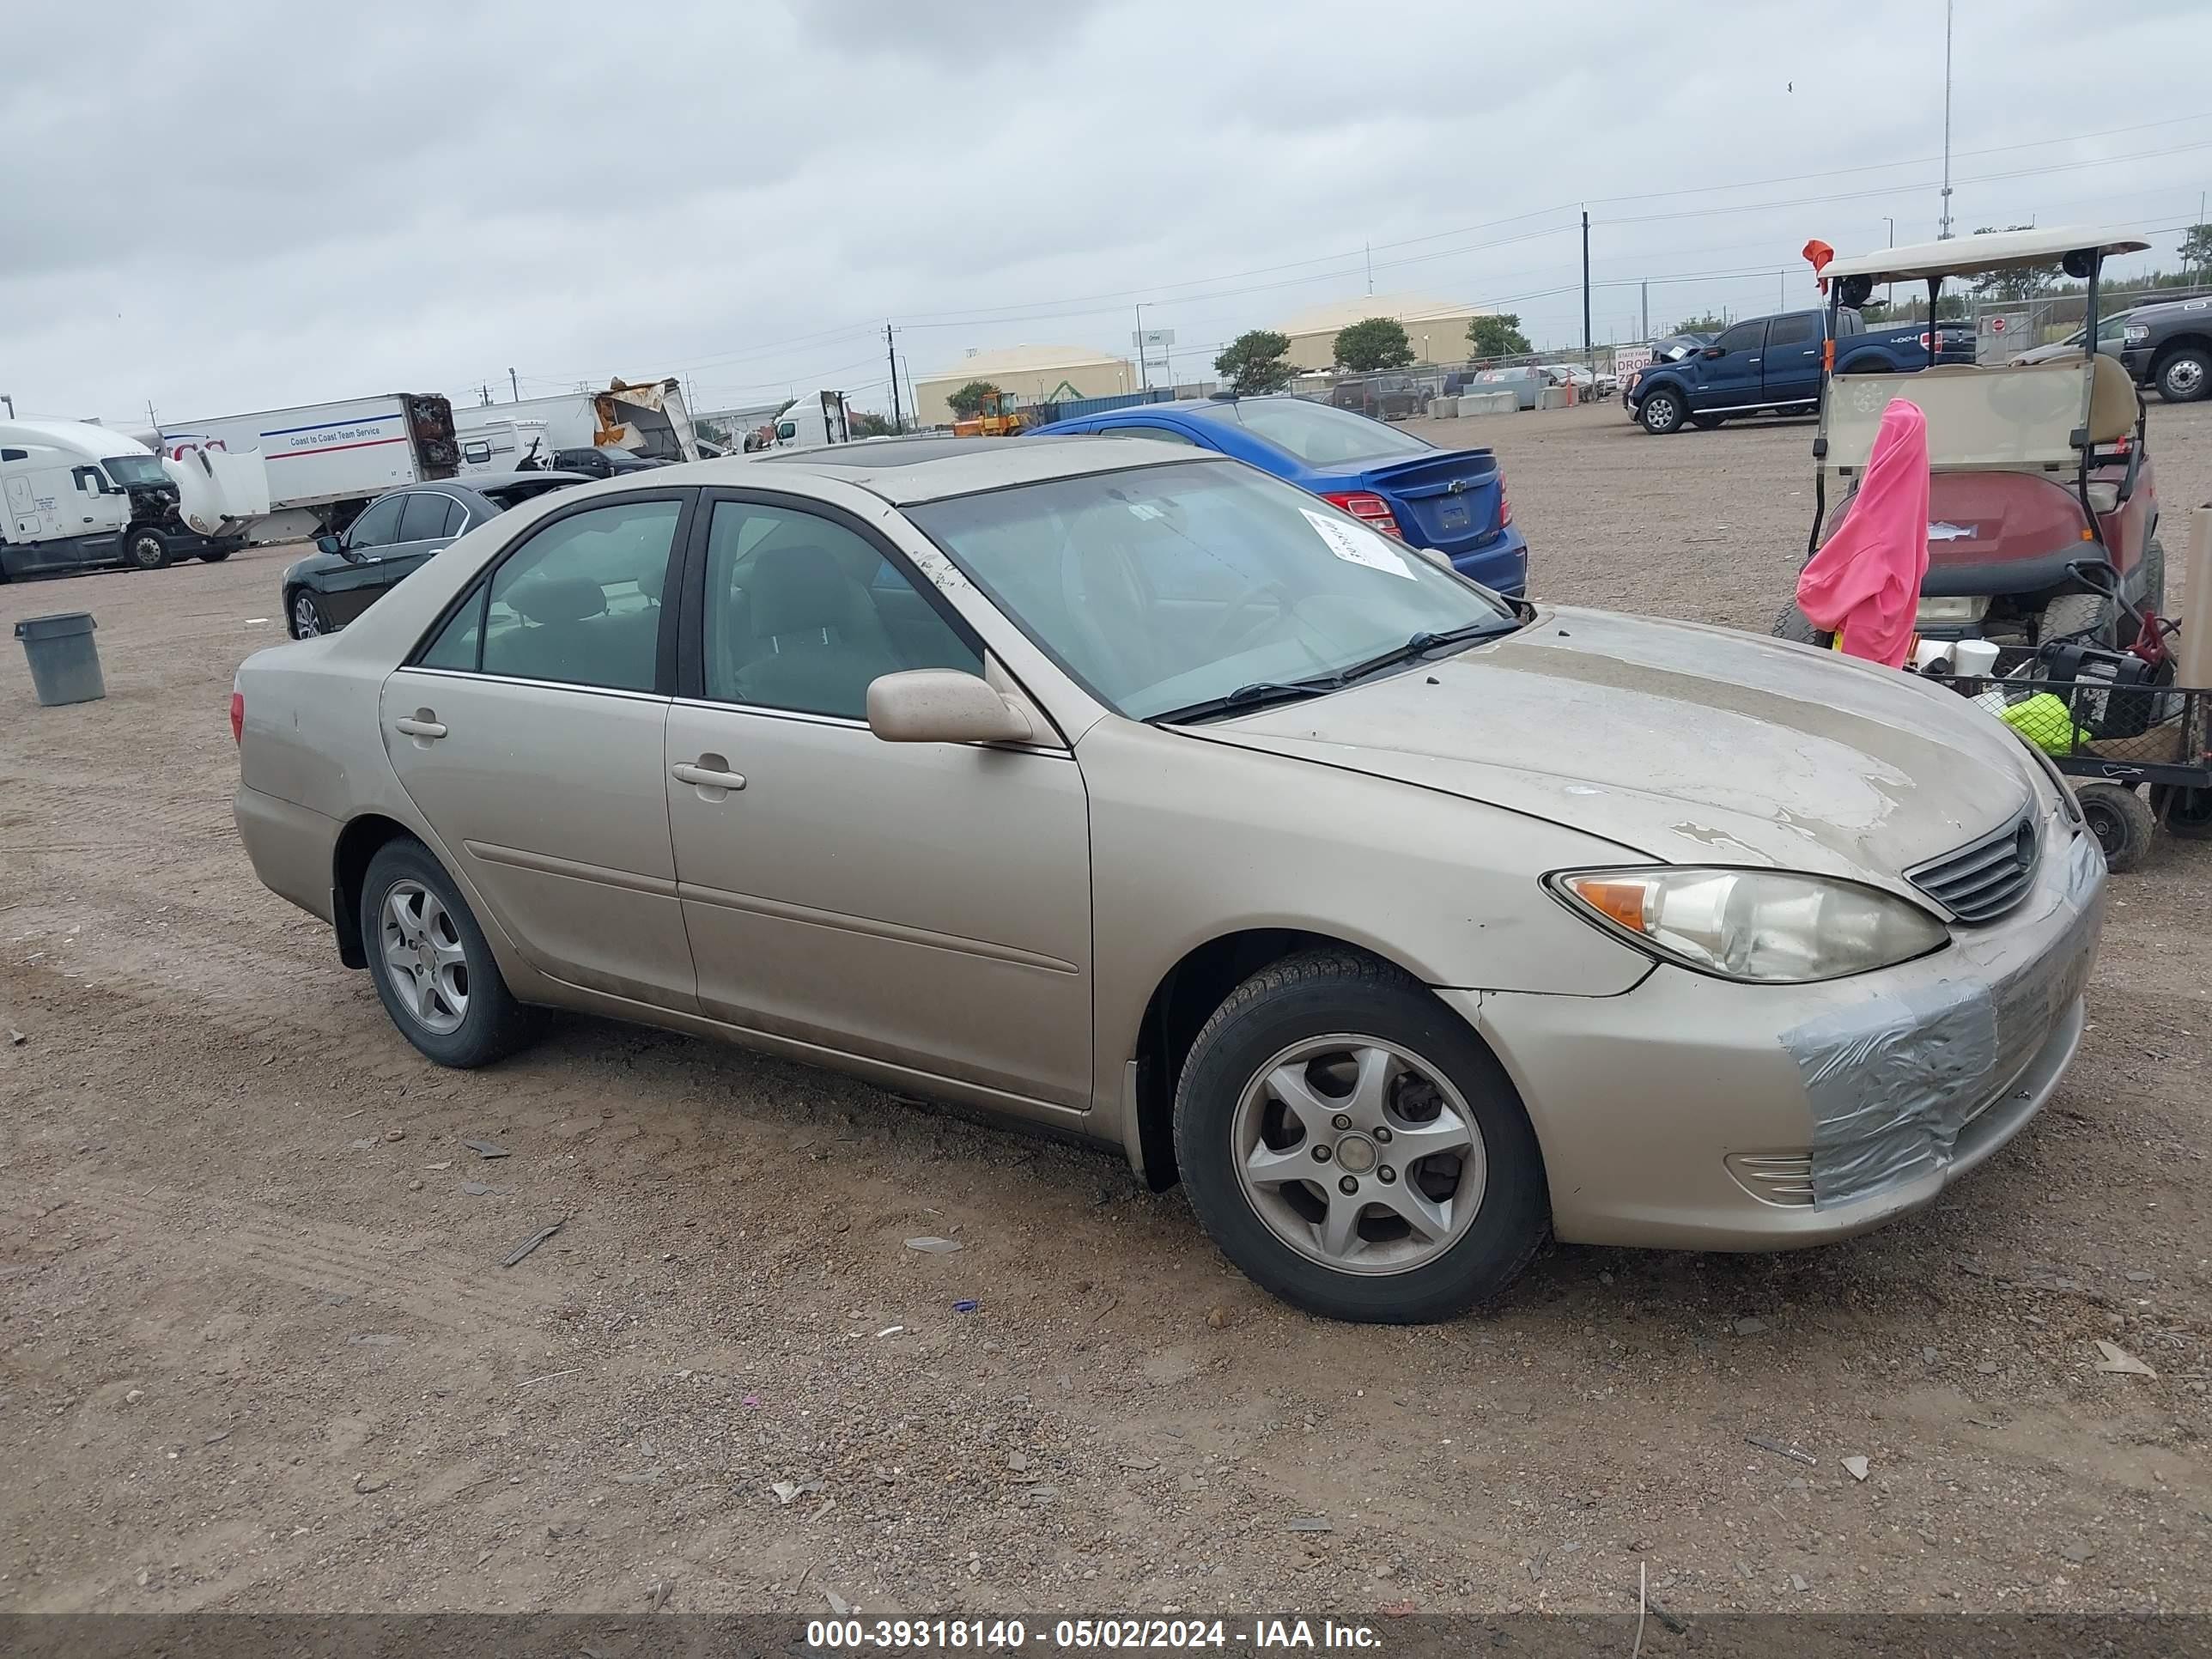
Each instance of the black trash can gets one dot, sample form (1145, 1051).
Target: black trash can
(65, 662)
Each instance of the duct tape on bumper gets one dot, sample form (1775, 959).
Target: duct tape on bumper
(1893, 1082)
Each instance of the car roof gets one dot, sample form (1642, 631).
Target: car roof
(503, 480)
(906, 470)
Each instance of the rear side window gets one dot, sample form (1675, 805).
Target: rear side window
(579, 603)
(426, 516)
(456, 641)
(1792, 331)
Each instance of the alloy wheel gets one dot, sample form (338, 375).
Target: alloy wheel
(1358, 1154)
(307, 621)
(424, 957)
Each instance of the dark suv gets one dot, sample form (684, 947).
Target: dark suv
(2169, 346)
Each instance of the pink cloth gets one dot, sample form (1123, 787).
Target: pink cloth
(1864, 585)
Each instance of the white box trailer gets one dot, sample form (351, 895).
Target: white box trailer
(648, 419)
(327, 461)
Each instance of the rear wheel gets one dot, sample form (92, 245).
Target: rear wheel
(1795, 624)
(2184, 376)
(433, 970)
(218, 555)
(2185, 812)
(145, 549)
(1661, 413)
(1353, 1147)
(2120, 819)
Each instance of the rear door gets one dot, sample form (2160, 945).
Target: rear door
(1734, 375)
(1791, 372)
(533, 720)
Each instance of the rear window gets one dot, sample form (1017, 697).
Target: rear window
(1317, 433)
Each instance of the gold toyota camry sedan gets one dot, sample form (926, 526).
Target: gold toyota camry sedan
(1095, 784)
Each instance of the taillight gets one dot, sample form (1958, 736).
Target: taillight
(1505, 507)
(237, 715)
(1370, 510)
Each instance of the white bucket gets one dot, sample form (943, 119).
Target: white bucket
(1973, 659)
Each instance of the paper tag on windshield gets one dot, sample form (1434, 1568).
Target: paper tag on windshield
(1356, 545)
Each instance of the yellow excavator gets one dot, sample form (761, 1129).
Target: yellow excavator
(996, 417)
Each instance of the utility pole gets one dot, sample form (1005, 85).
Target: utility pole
(1646, 287)
(1143, 375)
(891, 350)
(1368, 248)
(514, 385)
(1945, 235)
(151, 420)
(1586, 328)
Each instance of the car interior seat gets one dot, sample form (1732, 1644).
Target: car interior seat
(809, 634)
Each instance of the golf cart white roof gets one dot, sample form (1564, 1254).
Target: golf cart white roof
(1997, 249)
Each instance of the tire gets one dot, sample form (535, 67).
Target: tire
(1795, 624)
(1306, 1019)
(2120, 819)
(2093, 617)
(2186, 813)
(144, 550)
(1662, 411)
(1708, 422)
(218, 555)
(454, 1006)
(2184, 376)
(305, 616)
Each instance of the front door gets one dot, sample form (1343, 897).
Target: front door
(529, 730)
(1791, 372)
(1730, 378)
(924, 905)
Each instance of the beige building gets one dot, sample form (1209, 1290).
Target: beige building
(1034, 373)
(1437, 329)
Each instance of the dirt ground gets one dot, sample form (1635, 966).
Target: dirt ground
(257, 1349)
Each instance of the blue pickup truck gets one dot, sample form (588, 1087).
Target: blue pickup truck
(1772, 364)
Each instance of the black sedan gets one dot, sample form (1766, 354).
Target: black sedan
(395, 533)
(604, 463)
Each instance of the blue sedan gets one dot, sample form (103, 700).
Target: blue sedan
(1451, 499)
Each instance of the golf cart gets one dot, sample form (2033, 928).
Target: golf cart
(2035, 468)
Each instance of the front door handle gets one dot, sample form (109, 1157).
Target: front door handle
(420, 725)
(709, 772)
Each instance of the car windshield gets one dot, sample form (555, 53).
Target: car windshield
(127, 470)
(1164, 589)
(1318, 435)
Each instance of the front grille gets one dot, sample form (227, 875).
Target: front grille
(1984, 878)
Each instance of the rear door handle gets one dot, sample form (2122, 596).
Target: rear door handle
(706, 777)
(416, 725)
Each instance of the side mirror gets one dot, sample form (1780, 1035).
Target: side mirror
(943, 705)
(1712, 352)
(329, 544)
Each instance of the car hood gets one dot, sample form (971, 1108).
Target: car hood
(1687, 743)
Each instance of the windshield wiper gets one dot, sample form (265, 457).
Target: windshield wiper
(1255, 696)
(1424, 642)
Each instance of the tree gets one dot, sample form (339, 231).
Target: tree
(1256, 361)
(1707, 324)
(866, 425)
(1498, 335)
(2019, 284)
(2197, 250)
(1374, 343)
(968, 402)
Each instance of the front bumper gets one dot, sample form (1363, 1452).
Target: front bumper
(1657, 1108)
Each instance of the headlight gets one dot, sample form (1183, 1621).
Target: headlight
(1760, 926)
(2136, 333)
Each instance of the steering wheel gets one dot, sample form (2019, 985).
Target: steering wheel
(1222, 641)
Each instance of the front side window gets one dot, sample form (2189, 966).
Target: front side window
(378, 525)
(579, 603)
(1744, 336)
(1163, 587)
(802, 613)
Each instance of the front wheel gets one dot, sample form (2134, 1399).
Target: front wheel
(1354, 1148)
(1661, 413)
(307, 617)
(146, 551)
(2119, 818)
(433, 970)
(2184, 377)
(1795, 624)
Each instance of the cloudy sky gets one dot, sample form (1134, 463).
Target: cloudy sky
(243, 206)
